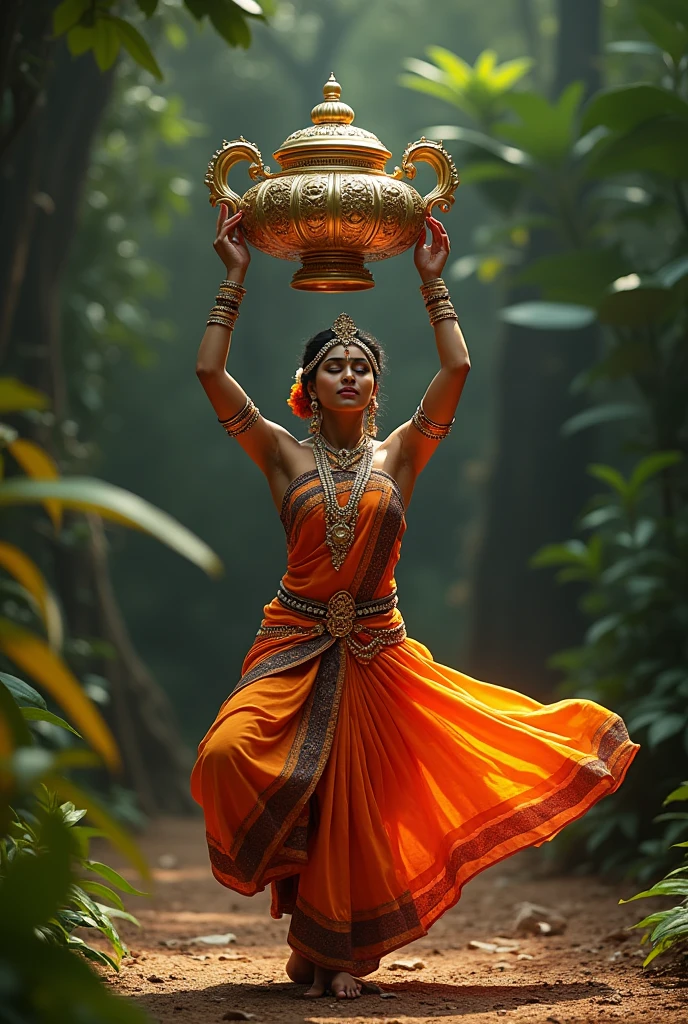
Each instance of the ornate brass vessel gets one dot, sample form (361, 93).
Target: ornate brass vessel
(332, 205)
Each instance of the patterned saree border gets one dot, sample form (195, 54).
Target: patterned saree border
(359, 944)
(261, 837)
(284, 660)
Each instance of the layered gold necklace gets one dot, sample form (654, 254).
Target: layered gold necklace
(344, 458)
(340, 520)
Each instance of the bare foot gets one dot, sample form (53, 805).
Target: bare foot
(321, 981)
(299, 969)
(345, 986)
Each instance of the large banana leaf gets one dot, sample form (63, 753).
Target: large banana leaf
(117, 504)
(36, 463)
(26, 572)
(32, 654)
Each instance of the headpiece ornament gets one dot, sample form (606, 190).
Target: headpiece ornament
(345, 333)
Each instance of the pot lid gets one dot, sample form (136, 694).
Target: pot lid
(332, 133)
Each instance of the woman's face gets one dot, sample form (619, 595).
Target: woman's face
(344, 380)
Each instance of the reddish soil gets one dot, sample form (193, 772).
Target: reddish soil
(592, 973)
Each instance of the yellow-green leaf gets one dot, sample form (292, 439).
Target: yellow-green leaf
(91, 495)
(32, 654)
(26, 572)
(16, 396)
(37, 464)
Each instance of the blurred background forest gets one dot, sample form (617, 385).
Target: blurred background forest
(568, 271)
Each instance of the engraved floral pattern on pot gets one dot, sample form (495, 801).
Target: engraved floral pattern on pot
(276, 203)
(312, 192)
(357, 203)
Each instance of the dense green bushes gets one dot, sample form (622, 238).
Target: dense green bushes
(603, 185)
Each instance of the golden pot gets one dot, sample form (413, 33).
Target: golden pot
(332, 205)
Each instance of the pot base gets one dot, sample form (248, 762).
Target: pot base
(329, 272)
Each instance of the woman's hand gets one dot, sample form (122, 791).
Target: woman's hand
(230, 244)
(430, 259)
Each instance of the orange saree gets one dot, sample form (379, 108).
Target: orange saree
(365, 782)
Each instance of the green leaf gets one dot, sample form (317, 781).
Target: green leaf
(666, 34)
(40, 715)
(663, 729)
(430, 88)
(113, 877)
(490, 170)
(458, 70)
(677, 794)
(251, 7)
(659, 146)
(11, 716)
(24, 695)
(148, 7)
(137, 47)
(67, 14)
(625, 107)
(632, 302)
(609, 413)
(610, 476)
(97, 956)
(546, 131)
(667, 887)
(573, 552)
(68, 790)
(16, 396)
(91, 495)
(634, 46)
(580, 276)
(102, 892)
(673, 273)
(509, 154)
(80, 39)
(106, 43)
(650, 467)
(35, 887)
(228, 22)
(548, 316)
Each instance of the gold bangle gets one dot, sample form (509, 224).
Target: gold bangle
(242, 420)
(428, 427)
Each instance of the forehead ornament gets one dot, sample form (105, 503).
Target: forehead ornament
(345, 333)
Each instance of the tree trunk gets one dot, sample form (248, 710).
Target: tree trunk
(538, 484)
(44, 177)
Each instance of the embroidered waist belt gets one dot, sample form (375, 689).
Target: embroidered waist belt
(342, 617)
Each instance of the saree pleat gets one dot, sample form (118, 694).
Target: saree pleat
(368, 794)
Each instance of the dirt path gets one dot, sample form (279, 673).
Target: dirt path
(587, 975)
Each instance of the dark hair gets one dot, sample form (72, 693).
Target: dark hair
(314, 344)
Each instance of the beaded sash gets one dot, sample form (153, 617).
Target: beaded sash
(341, 617)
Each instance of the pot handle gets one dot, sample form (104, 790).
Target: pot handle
(222, 162)
(435, 154)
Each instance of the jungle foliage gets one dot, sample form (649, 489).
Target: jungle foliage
(667, 930)
(49, 884)
(603, 183)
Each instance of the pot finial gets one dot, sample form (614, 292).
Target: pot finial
(332, 110)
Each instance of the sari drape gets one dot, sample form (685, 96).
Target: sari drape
(368, 793)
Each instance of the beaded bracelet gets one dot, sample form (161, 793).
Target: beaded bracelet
(428, 427)
(241, 421)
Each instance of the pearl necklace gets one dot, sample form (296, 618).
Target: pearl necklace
(340, 521)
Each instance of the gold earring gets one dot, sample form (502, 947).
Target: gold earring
(316, 418)
(371, 425)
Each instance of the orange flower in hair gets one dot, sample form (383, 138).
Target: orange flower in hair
(299, 402)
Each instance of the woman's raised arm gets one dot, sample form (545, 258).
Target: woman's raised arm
(267, 443)
(412, 444)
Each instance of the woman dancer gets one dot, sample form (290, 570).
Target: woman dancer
(365, 782)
